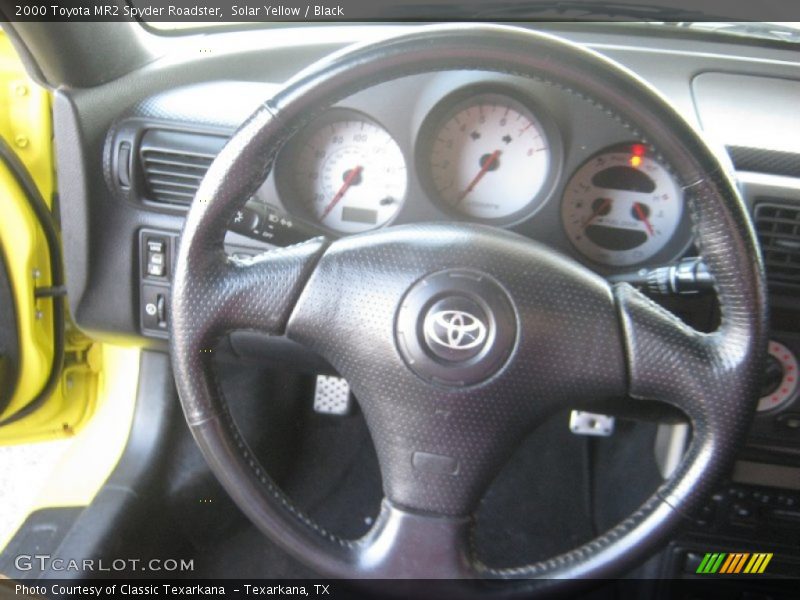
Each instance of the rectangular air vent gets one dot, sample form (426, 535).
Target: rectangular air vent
(174, 162)
(778, 226)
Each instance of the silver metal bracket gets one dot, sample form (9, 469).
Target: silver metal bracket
(331, 395)
(586, 423)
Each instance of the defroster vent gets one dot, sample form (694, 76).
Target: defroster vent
(778, 226)
(175, 162)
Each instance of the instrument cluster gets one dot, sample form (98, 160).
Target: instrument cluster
(490, 154)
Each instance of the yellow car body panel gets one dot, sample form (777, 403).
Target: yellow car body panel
(26, 126)
(94, 400)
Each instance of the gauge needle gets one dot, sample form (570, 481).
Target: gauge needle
(348, 181)
(606, 203)
(484, 168)
(643, 217)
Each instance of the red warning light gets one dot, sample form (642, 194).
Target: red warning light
(637, 152)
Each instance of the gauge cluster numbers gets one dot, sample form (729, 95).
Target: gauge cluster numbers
(489, 158)
(351, 175)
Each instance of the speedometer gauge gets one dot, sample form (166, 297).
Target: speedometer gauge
(348, 173)
(488, 157)
(622, 206)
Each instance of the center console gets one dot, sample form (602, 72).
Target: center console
(757, 509)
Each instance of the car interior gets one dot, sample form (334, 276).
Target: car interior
(507, 305)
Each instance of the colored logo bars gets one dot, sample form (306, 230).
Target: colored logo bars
(734, 563)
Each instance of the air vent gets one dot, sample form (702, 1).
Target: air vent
(174, 162)
(778, 227)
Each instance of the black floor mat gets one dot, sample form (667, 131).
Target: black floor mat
(336, 479)
(538, 506)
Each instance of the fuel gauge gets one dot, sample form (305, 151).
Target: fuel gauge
(622, 206)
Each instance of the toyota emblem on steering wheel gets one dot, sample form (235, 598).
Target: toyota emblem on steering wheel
(455, 329)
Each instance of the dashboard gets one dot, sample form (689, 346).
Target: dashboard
(468, 146)
(490, 148)
(132, 152)
(487, 149)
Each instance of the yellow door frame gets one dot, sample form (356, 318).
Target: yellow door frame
(26, 128)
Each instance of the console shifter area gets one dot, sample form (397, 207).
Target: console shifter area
(758, 508)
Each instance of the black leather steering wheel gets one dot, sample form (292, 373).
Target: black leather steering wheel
(553, 334)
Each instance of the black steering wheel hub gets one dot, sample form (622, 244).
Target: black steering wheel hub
(456, 327)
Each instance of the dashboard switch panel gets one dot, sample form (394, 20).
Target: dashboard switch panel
(268, 224)
(156, 258)
(155, 300)
(156, 252)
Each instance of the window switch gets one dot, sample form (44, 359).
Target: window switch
(155, 255)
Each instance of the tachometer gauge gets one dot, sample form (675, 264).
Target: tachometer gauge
(489, 158)
(349, 173)
(622, 206)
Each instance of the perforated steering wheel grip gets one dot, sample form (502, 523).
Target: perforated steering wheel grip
(457, 340)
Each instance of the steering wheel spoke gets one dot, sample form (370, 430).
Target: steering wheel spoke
(404, 544)
(708, 377)
(220, 295)
(671, 367)
(668, 361)
(260, 292)
(226, 293)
